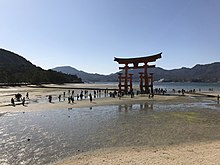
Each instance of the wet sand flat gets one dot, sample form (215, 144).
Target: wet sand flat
(164, 130)
(38, 97)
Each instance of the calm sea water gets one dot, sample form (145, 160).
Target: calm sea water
(43, 137)
(188, 86)
(178, 85)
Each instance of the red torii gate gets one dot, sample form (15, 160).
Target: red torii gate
(143, 75)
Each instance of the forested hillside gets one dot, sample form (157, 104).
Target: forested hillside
(16, 69)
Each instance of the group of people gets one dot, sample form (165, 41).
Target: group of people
(84, 95)
(19, 98)
(160, 91)
(71, 97)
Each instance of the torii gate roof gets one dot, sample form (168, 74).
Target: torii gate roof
(145, 59)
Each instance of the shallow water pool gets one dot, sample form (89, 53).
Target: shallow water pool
(44, 137)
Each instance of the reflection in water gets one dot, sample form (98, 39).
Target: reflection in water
(46, 136)
(131, 107)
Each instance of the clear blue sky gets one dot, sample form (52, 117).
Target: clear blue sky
(88, 34)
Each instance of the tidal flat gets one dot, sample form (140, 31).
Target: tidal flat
(44, 137)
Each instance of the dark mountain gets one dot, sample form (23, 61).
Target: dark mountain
(16, 69)
(199, 73)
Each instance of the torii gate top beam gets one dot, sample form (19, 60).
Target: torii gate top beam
(137, 60)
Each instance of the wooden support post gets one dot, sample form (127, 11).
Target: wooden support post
(141, 82)
(126, 79)
(131, 88)
(119, 83)
(151, 84)
(146, 82)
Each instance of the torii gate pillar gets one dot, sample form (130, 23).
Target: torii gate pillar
(146, 84)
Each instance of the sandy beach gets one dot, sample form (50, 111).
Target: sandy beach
(199, 153)
(205, 152)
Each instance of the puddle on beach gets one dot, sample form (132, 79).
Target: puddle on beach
(43, 137)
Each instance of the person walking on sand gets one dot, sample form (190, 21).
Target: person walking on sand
(90, 97)
(218, 98)
(72, 98)
(69, 99)
(23, 101)
(81, 95)
(64, 96)
(12, 101)
(59, 97)
(50, 98)
(27, 95)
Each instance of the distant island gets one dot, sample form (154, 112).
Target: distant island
(14, 69)
(198, 73)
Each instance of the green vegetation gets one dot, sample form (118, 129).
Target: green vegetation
(16, 69)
